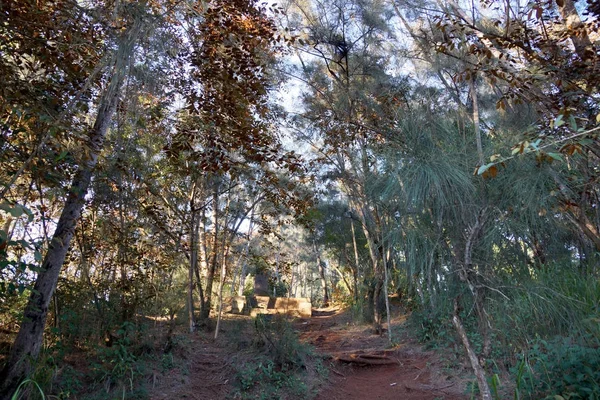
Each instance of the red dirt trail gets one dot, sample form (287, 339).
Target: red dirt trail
(362, 365)
(365, 368)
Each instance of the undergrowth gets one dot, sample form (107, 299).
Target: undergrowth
(275, 364)
(545, 335)
(98, 372)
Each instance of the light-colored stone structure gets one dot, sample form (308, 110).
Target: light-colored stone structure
(297, 307)
(238, 304)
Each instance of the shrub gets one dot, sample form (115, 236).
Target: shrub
(279, 362)
(118, 366)
(559, 367)
(281, 341)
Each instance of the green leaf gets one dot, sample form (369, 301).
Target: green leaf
(572, 122)
(24, 243)
(484, 168)
(61, 156)
(556, 156)
(559, 121)
(16, 210)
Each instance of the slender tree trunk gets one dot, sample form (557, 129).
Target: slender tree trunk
(579, 35)
(473, 88)
(385, 293)
(28, 343)
(212, 267)
(469, 276)
(244, 261)
(277, 275)
(338, 269)
(193, 262)
(321, 266)
(484, 388)
(202, 255)
(356, 260)
(221, 284)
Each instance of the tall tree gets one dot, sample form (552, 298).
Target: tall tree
(29, 340)
(348, 87)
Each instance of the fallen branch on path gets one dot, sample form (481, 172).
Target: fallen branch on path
(367, 359)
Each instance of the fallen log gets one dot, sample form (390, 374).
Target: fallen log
(366, 359)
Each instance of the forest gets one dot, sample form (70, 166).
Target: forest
(429, 168)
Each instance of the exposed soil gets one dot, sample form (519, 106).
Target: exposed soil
(362, 365)
(208, 373)
(365, 366)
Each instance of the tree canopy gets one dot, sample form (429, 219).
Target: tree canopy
(156, 155)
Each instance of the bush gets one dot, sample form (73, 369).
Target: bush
(118, 366)
(559, 367)
(277, 363)
(281, 341)
(265, 380)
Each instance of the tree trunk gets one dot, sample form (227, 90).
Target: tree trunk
(385, 293)
(484, 388)
(244, 258)
(212, 267)
(338, 269)
(577, 30)
(473, 89)
(221, 283)
(356, 259)
(193, 263)
(321, 266)
(28, 343)
(377, 312)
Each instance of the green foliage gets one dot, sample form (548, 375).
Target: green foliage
(432, 326)
(167, 362)
(278, 363)
(265, 380)
(276, 335)
(69, 382)
(14, 265)
(559, 367)
(28, 384)
(558, 300)
(118, 367)
(279, 288)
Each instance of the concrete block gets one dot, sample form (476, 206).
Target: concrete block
(238, 304)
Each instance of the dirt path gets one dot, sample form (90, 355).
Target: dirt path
(365, 367)
(362, 365)
(208, 375)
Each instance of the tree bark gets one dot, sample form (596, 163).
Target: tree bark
(484, 388)
(212, 267)
(577, 31)
(193, 267)
(27, 345)
(321, 266)
(220, 293)
(473, 89)
(385, 293)
(244, 258)
(356, 259)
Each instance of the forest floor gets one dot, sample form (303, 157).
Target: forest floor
(361, 365)
(366, 366)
